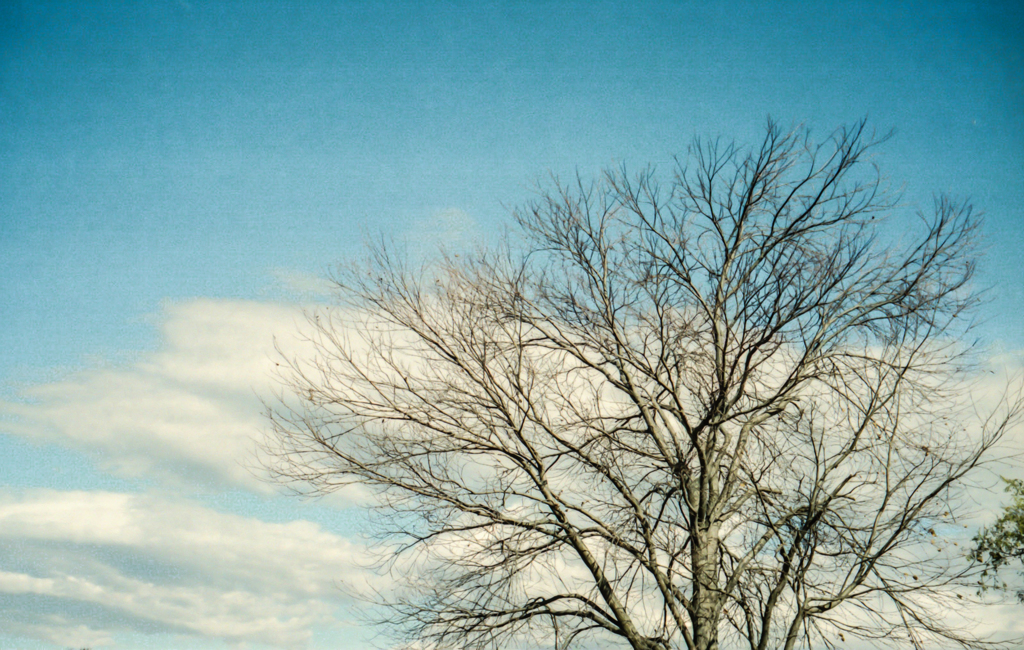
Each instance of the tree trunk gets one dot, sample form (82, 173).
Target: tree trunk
(706, 596)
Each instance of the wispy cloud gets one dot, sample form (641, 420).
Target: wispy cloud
(168, 565)
(78, 568)
(187, 414)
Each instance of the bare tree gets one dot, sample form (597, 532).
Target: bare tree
(727, 409)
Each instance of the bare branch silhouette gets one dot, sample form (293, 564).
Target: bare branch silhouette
(729, 409)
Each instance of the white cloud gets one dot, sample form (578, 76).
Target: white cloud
(168, 564)
(188, 412)
(59, 631)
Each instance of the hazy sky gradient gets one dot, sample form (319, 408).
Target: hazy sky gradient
(172, 174)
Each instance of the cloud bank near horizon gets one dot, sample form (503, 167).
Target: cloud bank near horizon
(81, 567)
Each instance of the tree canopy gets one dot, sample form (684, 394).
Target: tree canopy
(1002, 542)
(727, 406)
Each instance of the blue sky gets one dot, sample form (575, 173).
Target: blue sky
(174, 175)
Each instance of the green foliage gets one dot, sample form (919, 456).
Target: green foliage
(1002, 543)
